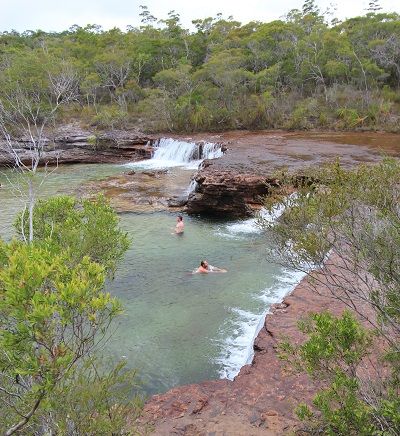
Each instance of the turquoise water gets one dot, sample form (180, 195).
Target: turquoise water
(179, 328)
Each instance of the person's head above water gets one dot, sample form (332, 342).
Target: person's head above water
(204, 264)
(179, 218)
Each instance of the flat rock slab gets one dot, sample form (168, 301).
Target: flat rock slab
(72, 144)
(233, 184)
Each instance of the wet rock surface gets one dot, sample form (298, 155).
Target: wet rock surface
(142, 191)
(233, 184)
(73, 144)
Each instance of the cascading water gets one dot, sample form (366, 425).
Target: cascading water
(192, 187)
(172, 153)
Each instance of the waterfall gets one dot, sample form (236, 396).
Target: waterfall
(192, 187)
(182, 152)
(170, 152)
(211, 151)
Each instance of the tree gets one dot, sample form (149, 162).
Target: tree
(54, 312)
(28, 105)
(83, 228)
(387, 54)
(350, 66)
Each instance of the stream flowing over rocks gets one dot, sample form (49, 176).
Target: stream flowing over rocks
(222, 175)
(232, 170)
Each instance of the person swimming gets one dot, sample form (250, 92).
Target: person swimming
(205, 268)
(180, 226)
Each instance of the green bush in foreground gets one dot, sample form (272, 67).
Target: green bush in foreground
(332, 354)
(81, 227)
(54, 314)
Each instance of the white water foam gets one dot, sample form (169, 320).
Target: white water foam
(175, 153)
(243, 228)
(237, 349)
(192, 187)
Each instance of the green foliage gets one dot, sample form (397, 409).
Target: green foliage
(303, 115)
(342, 411)
(346, 225)
(110, 117)
(164, 76)
(333, 341)
(95, 402)
(349, 118)
(54, 313)
(79, 227)
(51, 315)
(334, 349)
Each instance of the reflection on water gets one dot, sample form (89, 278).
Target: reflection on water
(179, 328)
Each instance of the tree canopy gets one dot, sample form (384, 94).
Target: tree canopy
(302, 71)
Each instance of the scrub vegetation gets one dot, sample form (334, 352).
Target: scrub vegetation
(54, 317)
(344, 227)
(306, 70)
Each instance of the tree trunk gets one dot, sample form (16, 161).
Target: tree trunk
(31, 207)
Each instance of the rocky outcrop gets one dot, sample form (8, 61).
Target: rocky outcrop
(72, 144)
(234, 184)
(226, 193)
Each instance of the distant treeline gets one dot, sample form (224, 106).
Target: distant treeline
(307, 70)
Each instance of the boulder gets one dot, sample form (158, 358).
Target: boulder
(227, 193)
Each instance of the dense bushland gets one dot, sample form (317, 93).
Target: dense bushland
(305, 71)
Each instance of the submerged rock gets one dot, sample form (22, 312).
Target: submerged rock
(177, 201)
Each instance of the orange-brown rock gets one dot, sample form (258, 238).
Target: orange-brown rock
(234, 184)
(227, 193)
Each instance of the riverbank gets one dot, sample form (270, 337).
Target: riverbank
(236, 183)
(73, 144)
(233, 185)
(262, 398)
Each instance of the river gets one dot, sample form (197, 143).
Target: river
(177, 328)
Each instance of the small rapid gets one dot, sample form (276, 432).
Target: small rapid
(171, 152)
(244, 325)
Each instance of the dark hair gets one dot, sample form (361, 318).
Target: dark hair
(203, 263)
(180, 217)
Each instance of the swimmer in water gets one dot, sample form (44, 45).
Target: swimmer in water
(180, 226)
(205, 268)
